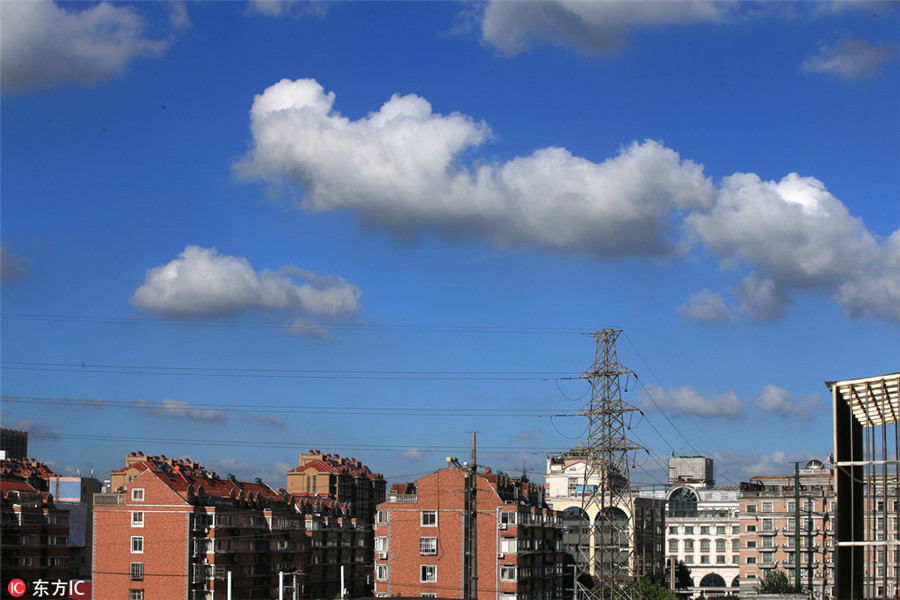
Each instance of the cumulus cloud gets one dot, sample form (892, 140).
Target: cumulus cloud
(12, 266)
(592, 28)
(400, 168)
(408, 169)
(708, 307)
(851, 59)
(799, 237)
(201, 282)
(45, 44)
(688, 401)
(177, 409)
(780, 402)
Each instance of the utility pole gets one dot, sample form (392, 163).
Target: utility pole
(605, 549)
(470, 589)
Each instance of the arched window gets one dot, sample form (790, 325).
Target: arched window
(683, 503)
(736, 582)
(712, 580)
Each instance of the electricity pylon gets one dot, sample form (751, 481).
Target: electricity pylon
(605, 546)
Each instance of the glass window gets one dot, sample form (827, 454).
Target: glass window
(688, 545)
(137, 495)
(428, 573)
(720, 530)
(767, 557)
(673, 545)
(673, 530)
(136, 571)
(735, 529)
(704, 545)
(751, 508)
(137, 519)
(767, 507)
(751, 560)
(508, 545)
(429, 519)
(720, 560)
(427, 545)
(768, 525)
(135, 594)
(381, 572)
(137, 545)
(381, 544)
(508, 517)
(704, 530)
(720, 545)
(689, 529)
(507, 573)
(704, 560)
(751, 528)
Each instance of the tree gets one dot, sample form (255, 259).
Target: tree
(647, 590)
(683, 579)
(777, 582)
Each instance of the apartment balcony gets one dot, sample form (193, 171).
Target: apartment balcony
(109, 499)
(403, 498)
(769, 565)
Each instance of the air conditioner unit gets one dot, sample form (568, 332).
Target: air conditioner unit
(502, 525)
(501, 556)
(382, 555)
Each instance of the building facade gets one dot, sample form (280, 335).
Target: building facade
(641, 548)
(422, 532)
(789, 528)
(174, 529)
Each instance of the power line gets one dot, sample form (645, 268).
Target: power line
(232, 323)
(285, 373)
(272, 408)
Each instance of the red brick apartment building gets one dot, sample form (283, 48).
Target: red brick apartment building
(42, 538)
(346, 480)
(172, 529)
(421, 531)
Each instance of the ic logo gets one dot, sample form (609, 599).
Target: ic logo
(16, 588)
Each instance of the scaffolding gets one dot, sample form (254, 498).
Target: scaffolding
(606, 544)
(867, 486)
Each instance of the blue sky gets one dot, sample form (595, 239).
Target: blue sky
(234, 231)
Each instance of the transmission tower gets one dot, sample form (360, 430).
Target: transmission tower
(604, 550)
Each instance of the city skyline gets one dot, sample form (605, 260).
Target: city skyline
(237, 231)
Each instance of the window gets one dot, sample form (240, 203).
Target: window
(751, 528)
(768, 525)
(135, 594)
(751, 543)
(429, 519)
(428, 573)
(673, 545)
(735, 529)
(137, 545)
(767, 557)
(689, 529)
(137, 571)
(508, 545)
(720, 530)
(689, 559)
(704, 530)
(751, 508)
(751, 560)
(704, 560)
(432, 595)
(427, 545)
(735, 544)
(767, 506)
(720, 560)
(507, 573)
(673, 530)
(508, 517)
(767, 542)
(137, 495)
(720, 545)
(381, 544)
(688, 545)
(381, 572)
(704, 545)
(137, 519)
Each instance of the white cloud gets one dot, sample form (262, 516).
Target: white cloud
(413, 455)
(706, 306)
(399, 168)
(799, 237)
(181, 410)
(45, 44)
(593, 28)
(30, 426)
(294, 8)
(12, 266)
(688, 401)
(780, 402)
(852, 59)
(761, 298)
(201, 282)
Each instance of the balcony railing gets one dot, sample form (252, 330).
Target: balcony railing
(109, 499)
(403, 498)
